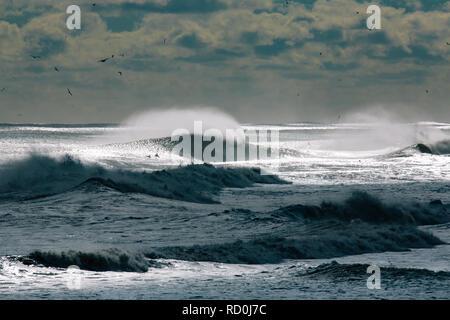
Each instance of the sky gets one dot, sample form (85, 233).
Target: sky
(261, 61)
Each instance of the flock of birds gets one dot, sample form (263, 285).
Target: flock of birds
(120, 73)
(103, 60)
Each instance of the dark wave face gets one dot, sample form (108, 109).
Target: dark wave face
(438, 148)
(332, 241)
(361, 206)
(356, 272)
(40, 176)
(102, 260)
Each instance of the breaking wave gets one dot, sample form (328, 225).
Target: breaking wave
(441, 148)
(337, 241)
(40, 175)
(360, 224)
(358, 272)
(361, 206)
(438, 148)
(102, 260)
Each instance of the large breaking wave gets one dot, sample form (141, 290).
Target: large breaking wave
(102, 260)
(438, 148)
(336, 241)
(360, 224)
(358, 272)
(40, 175)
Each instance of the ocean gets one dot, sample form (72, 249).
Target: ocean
(139, 225)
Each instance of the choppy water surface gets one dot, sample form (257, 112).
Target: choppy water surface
(140, 226)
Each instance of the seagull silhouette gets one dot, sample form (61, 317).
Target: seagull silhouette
(68, 90)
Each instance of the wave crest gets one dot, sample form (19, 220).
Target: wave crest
(103, 260)
(365, 207)
(39, 175)
(339, 241)
(358, 272)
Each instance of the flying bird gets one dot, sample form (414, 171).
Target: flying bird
(103, 60)
(35, 57)
(56, 69)
(427, 91)
(68, 90)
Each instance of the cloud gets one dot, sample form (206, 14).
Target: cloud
(238, 55)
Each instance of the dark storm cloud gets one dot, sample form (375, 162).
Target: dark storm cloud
(307, 3)
(176, 6)
(44, 45)
(331, 35)
(23, 15)
(249, 37)
(132, 13)
(124, 23)
(379, 37)
(278, 46)
(191, 41)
